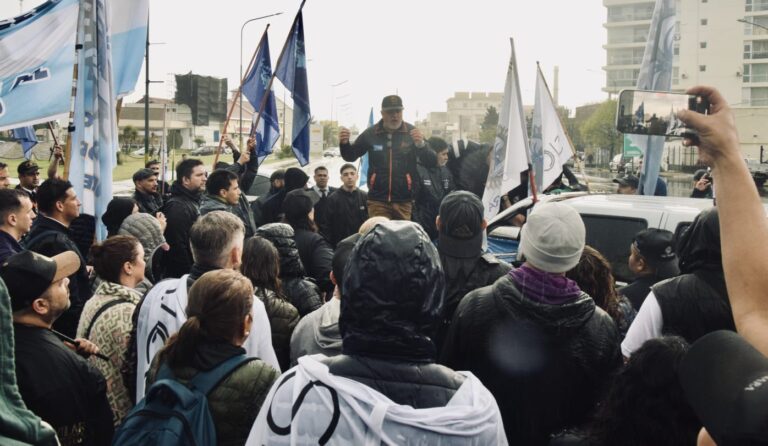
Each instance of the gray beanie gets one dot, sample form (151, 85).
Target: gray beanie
(553, 238)
(146, 228)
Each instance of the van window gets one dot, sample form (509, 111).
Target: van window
(612, 236)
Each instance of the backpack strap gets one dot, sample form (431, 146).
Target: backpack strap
(204, 382)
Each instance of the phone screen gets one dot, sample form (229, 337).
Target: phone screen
(655, 112)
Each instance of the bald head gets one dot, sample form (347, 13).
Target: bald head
(370, 224)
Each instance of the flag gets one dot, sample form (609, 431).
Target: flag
(27, 138)
(364, 158)
(94, 140)
(553, 147)
(509, 156)
(37, 52)
(292, 72)
(640, 114)
(128, 30)
(656, 74)
(254, 87)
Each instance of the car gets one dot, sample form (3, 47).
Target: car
(611, 221)
(260, 186)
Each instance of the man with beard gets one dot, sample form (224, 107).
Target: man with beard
(181, 212)
(146, 195)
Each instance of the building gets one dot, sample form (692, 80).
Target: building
(463, 117)
(720, 43)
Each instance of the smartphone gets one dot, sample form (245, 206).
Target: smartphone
(642, 112)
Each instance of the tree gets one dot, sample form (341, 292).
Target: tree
(599, 131)
(129, 135)
(174, 139)
(330, 133)
(199, 141)
(489, 126)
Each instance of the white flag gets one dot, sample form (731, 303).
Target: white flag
(552, 145)
(509, 157)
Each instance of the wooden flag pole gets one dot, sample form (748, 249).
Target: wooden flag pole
(238, 98)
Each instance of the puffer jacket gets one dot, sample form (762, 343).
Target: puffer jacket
(301, 292)
(181, 212)
(235, 401)
(316, 255)
(283, 318)
(545, 364)
(392, 158)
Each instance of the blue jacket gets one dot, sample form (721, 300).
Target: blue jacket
(8, 246)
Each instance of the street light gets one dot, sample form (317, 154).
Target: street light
(240, 93)
(333, 92)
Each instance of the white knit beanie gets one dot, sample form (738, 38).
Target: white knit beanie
(553, 238)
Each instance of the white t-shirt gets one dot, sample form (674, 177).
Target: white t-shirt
(648, 324)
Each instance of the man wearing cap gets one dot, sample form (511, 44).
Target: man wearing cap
(393, 147)
(433, 184)
(146, 195)
(627, 185)
(347, 208)
(16, 217)
(702, 184)
(29, 179)
(539, 343)
(55, 383)
(460, 226)
(652, 259)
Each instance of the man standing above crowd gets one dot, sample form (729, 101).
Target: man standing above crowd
(146, 195)
(346, 209)
(222, 193)
(181, 212)
(393, 147)
(434, 183)
(16, 217)
(5, 180)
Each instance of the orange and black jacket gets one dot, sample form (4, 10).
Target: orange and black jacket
(392, 158)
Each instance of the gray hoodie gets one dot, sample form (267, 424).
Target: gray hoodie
(317, 332)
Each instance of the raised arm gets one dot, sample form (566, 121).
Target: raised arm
(352, 151)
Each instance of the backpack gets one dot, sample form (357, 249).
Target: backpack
(173, 413)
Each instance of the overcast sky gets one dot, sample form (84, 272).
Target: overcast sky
(423, 49)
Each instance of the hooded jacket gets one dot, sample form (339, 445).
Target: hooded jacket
(317, 332)
(545, 364)
(433, 184)
(147, 230)
(300, 291)
(283, 318)
(212, 203)
(181, 212)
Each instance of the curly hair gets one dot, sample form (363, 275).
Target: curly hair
(594, 276)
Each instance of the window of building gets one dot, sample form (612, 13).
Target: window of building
(702, 68)
(702, 45)
(758, 96)
(756, 5)
(703, 22)
(675, 75)
(755, 72)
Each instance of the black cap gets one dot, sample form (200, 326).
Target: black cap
(297, 203)
(27, 168)
(629, 180)
(657, 248)
(28, 274)
(461, 225)
(143, 174)
(725, 380)
(391, 102)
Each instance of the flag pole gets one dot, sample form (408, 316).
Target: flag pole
(71, 121)
(238, 98)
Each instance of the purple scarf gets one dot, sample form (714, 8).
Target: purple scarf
(543, 287)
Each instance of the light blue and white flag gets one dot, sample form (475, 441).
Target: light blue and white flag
(509, 156)
(128, 28)
(364, 158)
(37, 53)
(27, 138)
(254, 88)
(94, 141)
(292, 72)
(656, 74)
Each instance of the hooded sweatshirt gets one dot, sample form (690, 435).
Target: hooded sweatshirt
(317, 332)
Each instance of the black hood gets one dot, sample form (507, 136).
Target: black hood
(393, 294)
(281, 235)
(699, 246)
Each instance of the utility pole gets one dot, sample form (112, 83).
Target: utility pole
(146, 97)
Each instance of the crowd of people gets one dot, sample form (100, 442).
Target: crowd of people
(340, 316)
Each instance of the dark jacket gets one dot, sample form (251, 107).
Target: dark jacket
(62, 388)
(545, 364)
(181, 212)
(301, 292)
(235, 401)
(8, 246)
(212, 203)
(49, 237)
(432, 185)
(345, 212)
(320, 207)
(638, 290)
(271, 210)
(316, 255)
(148, 203)
(283, 318)
(392, 158)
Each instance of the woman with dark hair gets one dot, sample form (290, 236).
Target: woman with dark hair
(594, 276)
(645, 405)
(118, 210)
(106, 318)
(314, 250)
(219, 321)
(261, 264)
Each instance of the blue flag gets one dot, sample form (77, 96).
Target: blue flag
(254, 88)
(27, 138)
(128, 30)
(364, 159)
(656, 74)
(36, 59)
(292, 72)
(94, 141)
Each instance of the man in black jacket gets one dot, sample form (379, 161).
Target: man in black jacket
(393, 147)
(320, 193)
(146, 195)
(347, 207)
(181, 212)
(433, 184)
(55, 383)
(50, 235)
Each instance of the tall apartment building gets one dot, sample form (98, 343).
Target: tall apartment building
(714, 46)
(464, 115)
